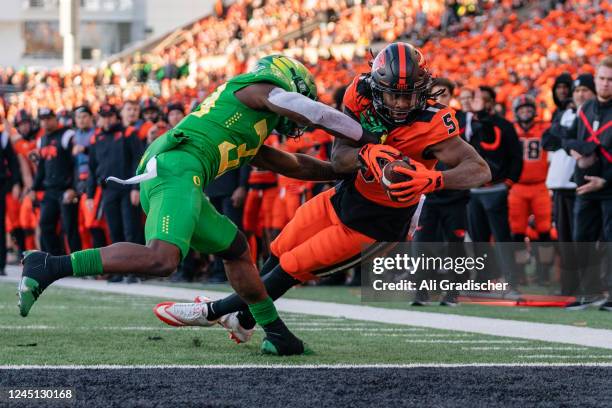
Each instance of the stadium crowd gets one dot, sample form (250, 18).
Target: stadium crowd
(66, 131)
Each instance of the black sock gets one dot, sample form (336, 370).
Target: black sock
(46, 269)
(270, 264)
(277, 282)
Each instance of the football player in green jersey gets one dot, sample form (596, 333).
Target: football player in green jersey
(225, 131)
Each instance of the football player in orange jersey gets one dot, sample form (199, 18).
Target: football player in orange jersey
(328, 232)
(530, 195)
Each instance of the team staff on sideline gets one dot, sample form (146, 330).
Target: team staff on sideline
(10, 183)
(560, 180)
(55, 176)
(589, 141)
(114, 151)
(495, 139)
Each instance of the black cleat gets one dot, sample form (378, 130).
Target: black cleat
(32, 277)
(279, 341)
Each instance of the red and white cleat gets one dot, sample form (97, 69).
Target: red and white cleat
(230, 323)
(183, 314)
(237, 333)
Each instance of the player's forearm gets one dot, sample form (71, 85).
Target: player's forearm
(310, 168)
(468, 174)
(345, 159)
(298, 166)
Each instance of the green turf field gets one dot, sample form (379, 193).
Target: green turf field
(70, 326)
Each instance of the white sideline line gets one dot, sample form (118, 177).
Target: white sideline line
(296, 366)
(581, 336)
(469, 341)
(486, 348)
(563, 356)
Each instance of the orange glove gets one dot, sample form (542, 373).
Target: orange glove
(423, 181)
(374, 157)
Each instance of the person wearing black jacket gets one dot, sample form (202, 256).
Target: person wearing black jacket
(10, 180)
(114, 151)
(560, 180)
(443, 217)
(589, 141)
(495, 139)
(55, 176)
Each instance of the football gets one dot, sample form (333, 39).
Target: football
(390, 176)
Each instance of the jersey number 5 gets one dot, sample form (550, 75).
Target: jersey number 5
(448, 122)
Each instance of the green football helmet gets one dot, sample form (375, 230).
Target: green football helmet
(298, 78)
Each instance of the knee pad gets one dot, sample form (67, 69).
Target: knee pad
(238, 247)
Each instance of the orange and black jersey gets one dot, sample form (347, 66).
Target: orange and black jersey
(359, 202)
(535, 158)
(115, 152)
(55, 169)
(25, 145)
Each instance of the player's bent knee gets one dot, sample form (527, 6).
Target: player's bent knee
(239, 248)
(164, 258)
(163, 267)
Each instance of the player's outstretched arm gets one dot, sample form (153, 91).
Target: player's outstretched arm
(304, 111)
(467, 168)
(298, 166)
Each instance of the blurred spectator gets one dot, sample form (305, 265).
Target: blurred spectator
(150, 110)
(175, 112)
(561, 94)
(130, 114)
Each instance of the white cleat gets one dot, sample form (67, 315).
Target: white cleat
(236, 332)
(183, 314)
(230, 323)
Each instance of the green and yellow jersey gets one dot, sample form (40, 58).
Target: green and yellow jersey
(222, 132)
